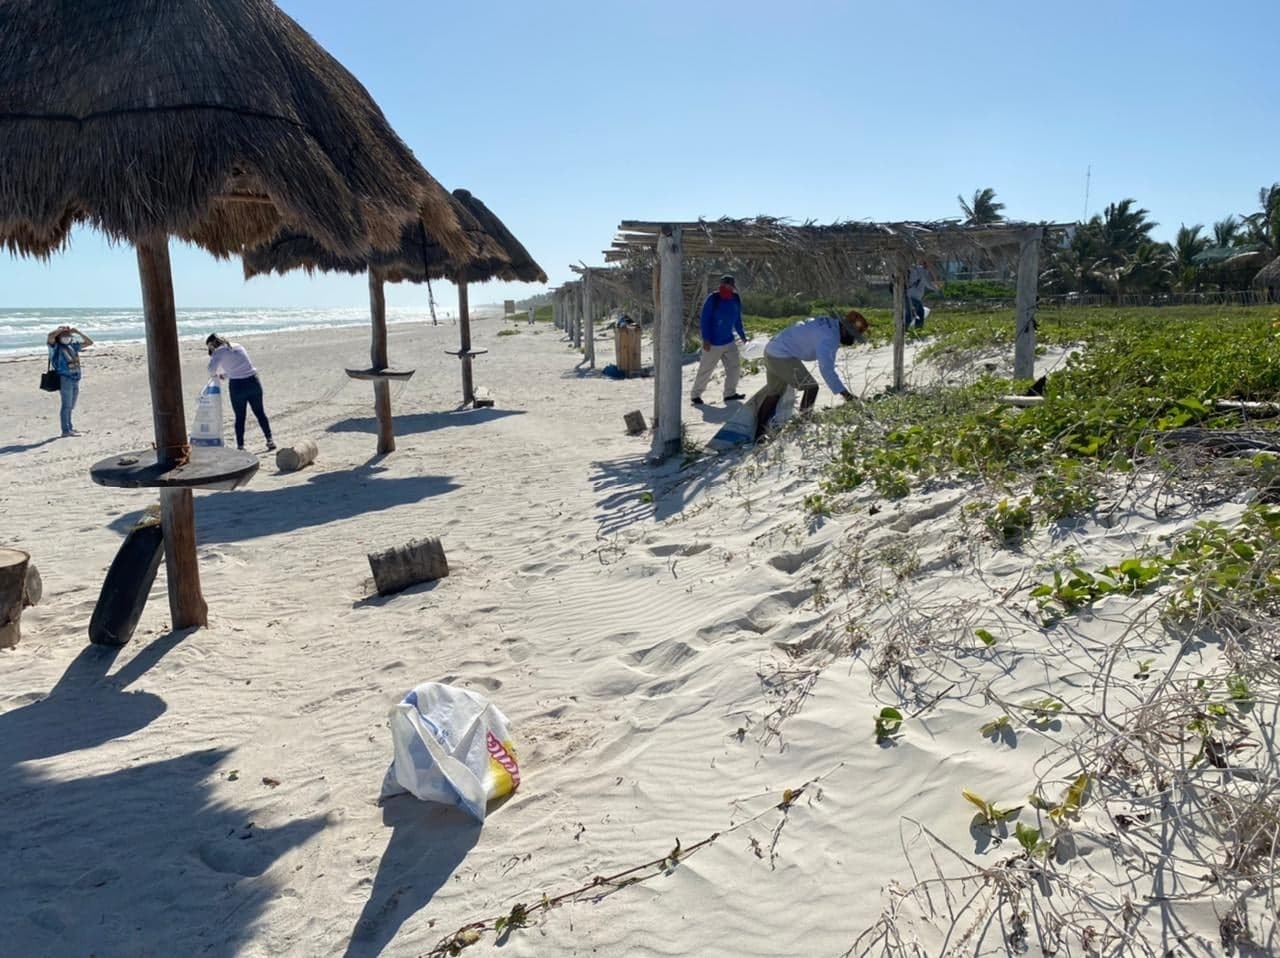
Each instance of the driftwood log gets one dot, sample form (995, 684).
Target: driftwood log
(635, 422)
(13, 589)
(292, 458)
(1224, 442)
(420, 560)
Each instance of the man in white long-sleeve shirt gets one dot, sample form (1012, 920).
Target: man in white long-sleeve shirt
(785, 356)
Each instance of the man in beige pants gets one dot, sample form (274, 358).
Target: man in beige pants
(721, 324)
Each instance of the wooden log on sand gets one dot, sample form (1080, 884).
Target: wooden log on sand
(420, 560)
(293, 458)
(635, 422)
(13, 587)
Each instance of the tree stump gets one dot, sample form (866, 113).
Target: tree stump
(13, 587)
(419, 560)
(635, 422)
(292, 458)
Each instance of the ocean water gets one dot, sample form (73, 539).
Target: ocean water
(24, 331)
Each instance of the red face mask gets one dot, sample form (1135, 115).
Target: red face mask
(726, 291)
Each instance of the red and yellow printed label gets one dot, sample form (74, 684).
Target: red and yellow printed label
(503, 765)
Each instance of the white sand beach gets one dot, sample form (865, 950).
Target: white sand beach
(683, 651)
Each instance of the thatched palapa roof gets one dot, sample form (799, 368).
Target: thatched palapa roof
(1269, 275)
(522, 269)
(218, 122)
(494, 254)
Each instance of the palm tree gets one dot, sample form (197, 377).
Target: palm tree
(983, 209)
(1263, 228)
(1186, 245)
(1226, 232)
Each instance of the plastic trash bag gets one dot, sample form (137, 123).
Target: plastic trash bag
(206, 428)
(450, 746)
(786, 409)
(753, 348)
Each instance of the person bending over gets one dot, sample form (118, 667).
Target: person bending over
(230, 361)
(812, 339)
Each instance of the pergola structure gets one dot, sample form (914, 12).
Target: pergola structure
(816, 258)
(493, 253)
(234, 127)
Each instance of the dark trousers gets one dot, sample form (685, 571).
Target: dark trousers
(244, 393)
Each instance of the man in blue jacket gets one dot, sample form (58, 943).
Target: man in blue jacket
(721, 322)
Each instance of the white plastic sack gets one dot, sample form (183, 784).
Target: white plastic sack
(206, 429)
(450, 746)
(786, 409)
(753, 348)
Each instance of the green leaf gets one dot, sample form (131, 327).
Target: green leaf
(985, 637)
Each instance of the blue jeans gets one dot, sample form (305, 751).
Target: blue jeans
(70, 393)
(244, 393)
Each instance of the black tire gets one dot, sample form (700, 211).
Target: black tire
(127, 585)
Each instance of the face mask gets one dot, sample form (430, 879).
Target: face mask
(65, 340)
(726, 291)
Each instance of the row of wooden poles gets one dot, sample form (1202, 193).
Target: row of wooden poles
(573, 313)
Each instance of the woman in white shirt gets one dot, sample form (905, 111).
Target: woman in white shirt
(229, 361)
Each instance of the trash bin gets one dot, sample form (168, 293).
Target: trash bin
(626, 348)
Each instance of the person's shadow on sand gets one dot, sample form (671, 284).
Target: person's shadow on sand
(428, 843)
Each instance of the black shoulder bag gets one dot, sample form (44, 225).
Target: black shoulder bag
(51, 379)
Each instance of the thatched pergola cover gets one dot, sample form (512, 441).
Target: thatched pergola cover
(1269, 275)
(218, 122)
(494, 253)
(821, 258)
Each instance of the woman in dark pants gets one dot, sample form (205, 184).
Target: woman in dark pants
(230, 361)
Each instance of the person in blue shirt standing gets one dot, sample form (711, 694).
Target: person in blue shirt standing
(721, 322)
(65, 344)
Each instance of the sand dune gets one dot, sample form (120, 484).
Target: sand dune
(676, 648)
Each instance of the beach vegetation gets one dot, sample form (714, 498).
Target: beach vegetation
(888, 724)
(1073, 800)
(985, 637)
(989, 814)
(1031, 842)
(508, 332)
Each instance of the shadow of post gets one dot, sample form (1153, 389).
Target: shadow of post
(428, 843)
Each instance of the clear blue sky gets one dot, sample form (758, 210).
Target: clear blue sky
(567, 116)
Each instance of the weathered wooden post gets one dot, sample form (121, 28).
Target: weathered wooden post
(666, 433)
(588, 319)
(657, 339)
(899, 321)
(187, 607)
(378, 363)
(464, 344)
(1024, 349)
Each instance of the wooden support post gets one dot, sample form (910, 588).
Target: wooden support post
(666, 432)
(187, 607)
(378, 361)
(464, 344)
(588, 320)
(1024, 350)
(576, 299)
(657, 339)
(899, 323)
